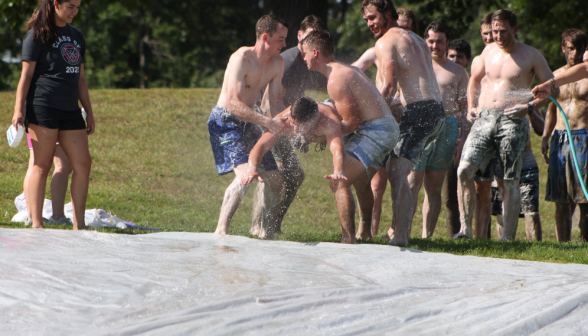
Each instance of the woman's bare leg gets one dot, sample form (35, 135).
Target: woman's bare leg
(75, 145)
(25, 185)
(43, 140)
(59, 181)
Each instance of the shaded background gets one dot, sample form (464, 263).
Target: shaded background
(187, 43)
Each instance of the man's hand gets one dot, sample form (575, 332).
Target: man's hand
(545, 149)
(276, 125)
(336, 176)
(541, 91)
(251, 175)
(472, 115)
(517, 111)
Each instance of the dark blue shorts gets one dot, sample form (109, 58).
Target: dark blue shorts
(563, 185)
(232, 140)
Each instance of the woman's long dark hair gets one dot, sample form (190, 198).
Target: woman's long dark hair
(43, 21)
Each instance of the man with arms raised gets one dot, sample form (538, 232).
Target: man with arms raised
(364, 113)
(232, 125)
(297, 78)
(405, 64)
(563, 186)
(439, 154)
(509, 67)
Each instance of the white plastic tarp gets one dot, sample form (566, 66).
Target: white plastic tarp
(56, 282)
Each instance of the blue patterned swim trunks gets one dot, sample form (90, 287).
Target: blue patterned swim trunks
(232, 140)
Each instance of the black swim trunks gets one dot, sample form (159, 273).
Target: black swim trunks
(421, 123)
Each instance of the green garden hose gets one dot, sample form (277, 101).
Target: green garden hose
(570, 139)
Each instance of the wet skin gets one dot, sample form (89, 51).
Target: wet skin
(452, 80)
(248, 71)
(573, 98)
(405, 65)
(509, 68)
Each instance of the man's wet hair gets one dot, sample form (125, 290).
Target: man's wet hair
(486, 20)
(505, 15)
(576, 37)
(321, 41)
(461, 45)
(313, 22)
(382, 6)
(438, 27)
(407, 13)
(268, 24)
(304, 109)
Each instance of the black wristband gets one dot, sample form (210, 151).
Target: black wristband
(529, 108)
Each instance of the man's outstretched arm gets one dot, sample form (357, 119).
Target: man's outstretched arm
(573, 74)
(335, 142)
(263, 145)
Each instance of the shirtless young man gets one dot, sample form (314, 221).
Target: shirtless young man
(297, 78)
(407, 20)
(483, 178)
(441, 152)
(405, 64)
(509, 67)
(364, 113)
(563, 186)
(232, 125)
(307, 121)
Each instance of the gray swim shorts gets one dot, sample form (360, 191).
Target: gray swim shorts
(495, 133)
(373, 141)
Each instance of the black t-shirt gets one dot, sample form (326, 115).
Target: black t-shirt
(297, 77)
(57, 72)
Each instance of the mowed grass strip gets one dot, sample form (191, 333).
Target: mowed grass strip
(153, 166)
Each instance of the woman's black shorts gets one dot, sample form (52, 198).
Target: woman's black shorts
(49, 117)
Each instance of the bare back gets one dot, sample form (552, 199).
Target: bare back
(247, 75)
(354, 95)
(509, 75)
(406, 65)
(573, 98)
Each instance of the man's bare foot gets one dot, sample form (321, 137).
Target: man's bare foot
(220, 233)
(365, 236)
(254, 230)
(460, 235)
(38, 227)
(348, 240)
(398, 242)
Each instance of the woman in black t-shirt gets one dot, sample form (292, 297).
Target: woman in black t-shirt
(51, 83)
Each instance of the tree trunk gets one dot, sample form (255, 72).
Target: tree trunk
(294, 11)
(142, 61)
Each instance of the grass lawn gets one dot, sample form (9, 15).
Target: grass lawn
(153, 166)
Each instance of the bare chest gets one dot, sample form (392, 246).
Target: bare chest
(257, 77)
(576, 90)
(514, 69)
(447, 80)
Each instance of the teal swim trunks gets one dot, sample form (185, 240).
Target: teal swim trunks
(438, 154)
